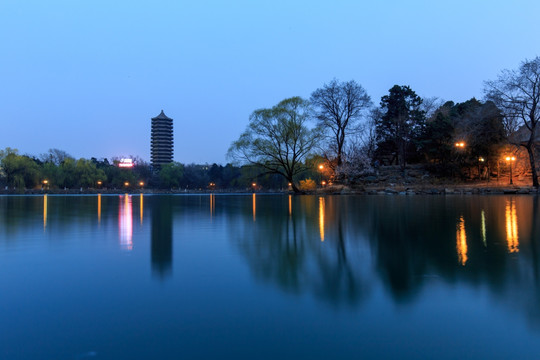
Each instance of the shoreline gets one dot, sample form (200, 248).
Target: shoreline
(449, 189)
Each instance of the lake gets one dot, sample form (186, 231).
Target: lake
(269, 277)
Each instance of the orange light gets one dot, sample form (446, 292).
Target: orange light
(99, 182)
(321, 167)
(126, 184)
(460, 144)
(141, 183)
(45, 182)
(481, 159)
(323, 183)
(253, 184)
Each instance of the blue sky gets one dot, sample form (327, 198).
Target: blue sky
(87, 76)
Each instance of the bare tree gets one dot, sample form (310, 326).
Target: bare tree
(55, 156)
(339, 106)
(430, 105)
(517, 94)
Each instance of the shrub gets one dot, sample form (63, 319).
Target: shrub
(307, 185)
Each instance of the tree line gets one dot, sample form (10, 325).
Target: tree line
(56, 169)
(338, 128)
(340, 124)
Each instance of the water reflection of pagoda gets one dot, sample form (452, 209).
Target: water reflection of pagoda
(161, 248)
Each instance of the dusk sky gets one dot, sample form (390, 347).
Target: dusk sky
(87, 76)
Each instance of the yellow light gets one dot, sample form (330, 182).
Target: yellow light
(460, 144)
(290, 205)
(323, 183)
(44, 211)
(141, 183)
(99, 208)
(45, 182)
(321, 218)
(461, 241)
(321, 167)
(254, 207)
(141, 208)
(99, 182)
(126, 184)
(253, 184)
(481, 159)
(512, 236)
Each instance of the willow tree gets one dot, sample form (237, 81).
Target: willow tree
(278, 139)
(517, 94)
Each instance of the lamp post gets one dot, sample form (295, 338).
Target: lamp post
(460, 145)
(321, 172)
(510, 160)
(480, 161)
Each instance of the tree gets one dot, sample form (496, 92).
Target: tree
(401, 123)
(171, 174)
(277, 139)
(477, 124)
(20, 170)
(55, 156)
(517, 94)
(339, 106)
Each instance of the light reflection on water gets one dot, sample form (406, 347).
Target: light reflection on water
(198, 265)
(321, 217)
(511, 226)
(125, 222)
(461, 238)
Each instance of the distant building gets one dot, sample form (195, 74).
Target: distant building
(161, 144)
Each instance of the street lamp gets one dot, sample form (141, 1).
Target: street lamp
(510, 160)
(141, 183)
(99, 182)
(480, 161)
(460, 144)
(126, 184)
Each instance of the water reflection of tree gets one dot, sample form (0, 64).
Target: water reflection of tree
(162, 230)
(407, 241)
(287, 249)
(57, 214)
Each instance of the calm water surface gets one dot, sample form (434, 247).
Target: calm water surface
(268, 277)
